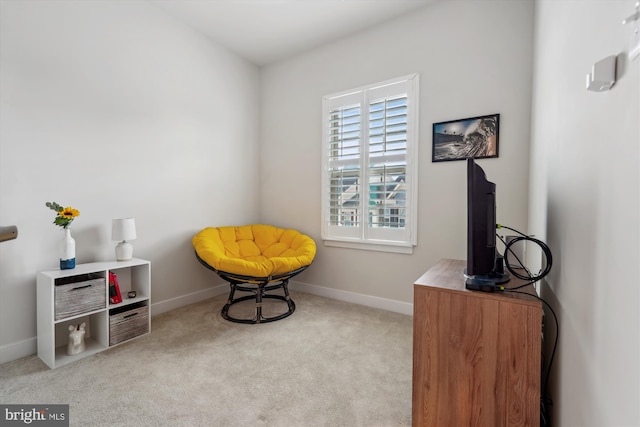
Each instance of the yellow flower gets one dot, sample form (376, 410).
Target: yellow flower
(69, 212)
(65, 216)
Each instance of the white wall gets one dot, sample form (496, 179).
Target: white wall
(474, 58)
(584, 201)
(119, 110)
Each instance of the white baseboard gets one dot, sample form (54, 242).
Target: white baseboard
(17, 350)
(182, 300)
(352, 297)
(337, 294)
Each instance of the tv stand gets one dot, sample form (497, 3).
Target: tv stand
(476, 355)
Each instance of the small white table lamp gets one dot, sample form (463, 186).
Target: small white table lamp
(122, 230)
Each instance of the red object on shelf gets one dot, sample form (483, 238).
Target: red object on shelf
(114, 289)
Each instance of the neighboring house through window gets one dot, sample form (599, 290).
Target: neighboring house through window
(369, 182)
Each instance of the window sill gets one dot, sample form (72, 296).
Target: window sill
(399, 248)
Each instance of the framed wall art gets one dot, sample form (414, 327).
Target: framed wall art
(475, 137)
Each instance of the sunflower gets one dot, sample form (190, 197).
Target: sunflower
(69, 213)
(65, 215)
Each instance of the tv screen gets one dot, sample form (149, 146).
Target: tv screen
(484, 265)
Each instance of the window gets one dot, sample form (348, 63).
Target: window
(369, 182)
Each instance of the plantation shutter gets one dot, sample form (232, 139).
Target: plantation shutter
(368, 176)
(344, 154)
(387, 162)
(387, 148)
(344, 157)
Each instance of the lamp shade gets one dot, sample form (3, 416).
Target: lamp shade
(123, 229)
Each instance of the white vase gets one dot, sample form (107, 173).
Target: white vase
(67, 251)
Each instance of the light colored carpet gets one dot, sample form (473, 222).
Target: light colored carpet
(329, 364)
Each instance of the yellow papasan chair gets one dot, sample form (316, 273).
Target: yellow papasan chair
(255, 258)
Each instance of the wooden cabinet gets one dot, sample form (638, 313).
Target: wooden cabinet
(81, 295)
(476, 355)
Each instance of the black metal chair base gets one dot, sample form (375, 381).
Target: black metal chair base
(259, 295)
(257, 286)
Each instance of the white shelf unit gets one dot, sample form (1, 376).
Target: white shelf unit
(133, 275)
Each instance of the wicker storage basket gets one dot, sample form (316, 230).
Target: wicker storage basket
(128, 322)
(79, 294)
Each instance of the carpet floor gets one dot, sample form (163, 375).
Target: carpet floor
(331, 363)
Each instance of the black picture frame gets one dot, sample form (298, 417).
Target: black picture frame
(473, 137)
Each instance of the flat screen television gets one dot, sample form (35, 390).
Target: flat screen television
(484, 264)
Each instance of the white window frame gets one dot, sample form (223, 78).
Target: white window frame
(399, 240)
